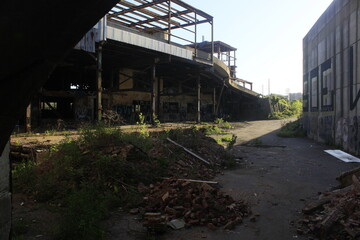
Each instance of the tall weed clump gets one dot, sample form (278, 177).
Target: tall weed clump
(89, 176)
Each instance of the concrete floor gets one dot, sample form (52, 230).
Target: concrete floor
(277, 181)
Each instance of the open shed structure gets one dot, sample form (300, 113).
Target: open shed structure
(144, 57)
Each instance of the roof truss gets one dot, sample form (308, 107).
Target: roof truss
(157, 15)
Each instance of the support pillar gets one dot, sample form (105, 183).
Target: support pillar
(28, 119)
(99, 82)
(214, 103)
(198, 115)
(219, 100)
(154, 92)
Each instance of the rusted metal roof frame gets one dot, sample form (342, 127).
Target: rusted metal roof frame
(181, 18)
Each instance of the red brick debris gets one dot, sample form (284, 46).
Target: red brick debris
(196, 203)
(336, 215)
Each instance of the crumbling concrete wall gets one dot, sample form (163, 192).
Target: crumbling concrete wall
(331, 76)
(5, 195)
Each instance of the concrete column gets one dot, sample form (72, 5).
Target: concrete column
(5, 195)
(28, 119)
(214, 102)
(154, 92)
(99, 82)
(198, 117)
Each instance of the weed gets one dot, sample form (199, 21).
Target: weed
(232, 142)
(219, 141)
(229, 160)
(226, 139)
(142, 126)
(210, 130)
(226, 125)
(24, 175)
(156, 121)
(218, 121)
(292, 129)
(85, 208)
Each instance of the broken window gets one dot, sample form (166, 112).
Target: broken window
(48, 105)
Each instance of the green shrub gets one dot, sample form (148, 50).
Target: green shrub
(226, 125)
(218, 121)
(211, 129)
(292, 129)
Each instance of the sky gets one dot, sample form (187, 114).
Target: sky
(268, 36)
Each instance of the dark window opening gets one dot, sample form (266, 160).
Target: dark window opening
(306, 93)
(314, 89)
(327, 87)
(171, 107)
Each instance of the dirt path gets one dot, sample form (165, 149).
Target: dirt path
(277, 181)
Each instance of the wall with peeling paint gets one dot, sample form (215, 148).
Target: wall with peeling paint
(332, 76)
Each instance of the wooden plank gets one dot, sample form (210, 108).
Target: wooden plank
(311, 207)
(188, 151)
(345, 178)
(194, 180)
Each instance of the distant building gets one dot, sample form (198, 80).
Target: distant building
(295, 96)
(332, 77)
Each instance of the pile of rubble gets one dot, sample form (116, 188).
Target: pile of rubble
(336, 214)
(185, 202)
(30, 151)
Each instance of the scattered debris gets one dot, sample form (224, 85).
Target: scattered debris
(343, 156)
(345, 178)
(196, 203)
(336, 215)
(188, 151)
(176, 224)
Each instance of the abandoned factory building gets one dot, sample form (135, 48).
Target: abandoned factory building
(145, 56)
(332, 76)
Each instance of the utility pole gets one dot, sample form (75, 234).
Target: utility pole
(269, 86)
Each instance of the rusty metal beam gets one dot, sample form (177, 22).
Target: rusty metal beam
(187, 25)
(134, 7)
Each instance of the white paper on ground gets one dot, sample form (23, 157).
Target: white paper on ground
(343, 156)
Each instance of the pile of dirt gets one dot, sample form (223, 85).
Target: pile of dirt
(176, 149)
(335, 215)
(193, 202)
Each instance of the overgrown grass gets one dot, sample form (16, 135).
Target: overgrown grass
(212, 129)
(99, 171)
(89, 176)
(292, 129)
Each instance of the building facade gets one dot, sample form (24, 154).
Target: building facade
(141, 59)
(332, 77)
